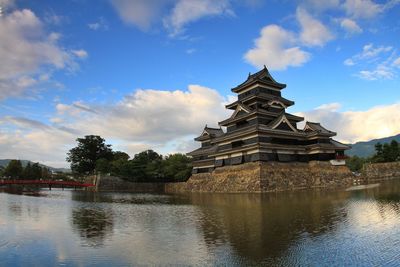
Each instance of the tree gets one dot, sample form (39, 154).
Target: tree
(355, 163)
(387, 152)
(27, 172)
(84, 156)
(119, 155)
(1, 171)
(36, 171)
(177, 167)
(14, 169)
(46, 173)
(103, 165)
(378, 157)
(393, 152)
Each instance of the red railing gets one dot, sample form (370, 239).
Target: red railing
(341, 157)
(45, 182)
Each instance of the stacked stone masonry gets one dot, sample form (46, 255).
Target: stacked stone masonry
(376, 172)
(267, 177)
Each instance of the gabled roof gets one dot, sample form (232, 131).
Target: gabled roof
(317, 127)
(263, 76)
(209, 133)
(340, 145)
(275, 102)
(260, 97)
(279, 120)
(236, 115)
(240, 107)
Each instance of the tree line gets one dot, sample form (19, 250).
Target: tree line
(15, 170)
(92, 155)
(388, 152)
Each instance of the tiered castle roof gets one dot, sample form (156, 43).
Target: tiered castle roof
(260, 129)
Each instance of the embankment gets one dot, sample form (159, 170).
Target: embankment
(260, 177)
(377, 172)
(267, 177)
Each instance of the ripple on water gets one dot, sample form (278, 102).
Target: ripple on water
(354, 228)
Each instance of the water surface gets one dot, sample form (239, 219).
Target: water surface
(308, 228)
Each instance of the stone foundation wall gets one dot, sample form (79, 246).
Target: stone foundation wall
(375, 172)
(248, 177)
(267, 177)
(236, 178)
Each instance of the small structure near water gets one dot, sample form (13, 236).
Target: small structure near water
(260, 130)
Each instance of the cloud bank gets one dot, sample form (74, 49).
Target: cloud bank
(166, 121)
(28, 54)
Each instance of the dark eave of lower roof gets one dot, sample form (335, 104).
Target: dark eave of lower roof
(261, 96)
(249, 83)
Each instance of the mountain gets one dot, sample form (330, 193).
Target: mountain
(4, 163)
(367, 148)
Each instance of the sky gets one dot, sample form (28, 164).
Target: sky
(149, 74)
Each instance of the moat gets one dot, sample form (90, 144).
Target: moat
(304, 228)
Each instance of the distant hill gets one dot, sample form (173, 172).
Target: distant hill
(4, 163)
(367, 148)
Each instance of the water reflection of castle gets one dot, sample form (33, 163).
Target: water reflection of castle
(262, 228)
(261, 130)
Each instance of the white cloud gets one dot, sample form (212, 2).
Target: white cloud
(158, 116)
(4, 4)
(52, 18)
(186, 11)
(26, 51)
(376, 63)
(101, 24)
(350, 26)
(313, 32)
(80, 53)
(354, 126)
(369, 51)
(380, 72)
(331, 106)
(163, 120)
(190, 51)
(175, 14)
(275, 48)
(364, 9)
(141, 13)
(45, 146)
(349, 62)
(396, 62)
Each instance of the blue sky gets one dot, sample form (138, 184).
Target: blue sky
(151, 73)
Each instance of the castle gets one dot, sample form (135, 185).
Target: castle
(260, 129)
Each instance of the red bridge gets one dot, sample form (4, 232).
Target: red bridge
(47, 183)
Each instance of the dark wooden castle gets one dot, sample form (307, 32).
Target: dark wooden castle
(261, 130)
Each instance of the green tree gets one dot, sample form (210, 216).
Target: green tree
(355, 163)
(393, 151)
(177, 167)
(84, 156)
(145, 166)
(14, 169)
(36, 171)
(27, 172)
(119, 155)
(387, 152)
(46, 173)
(103, 165)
